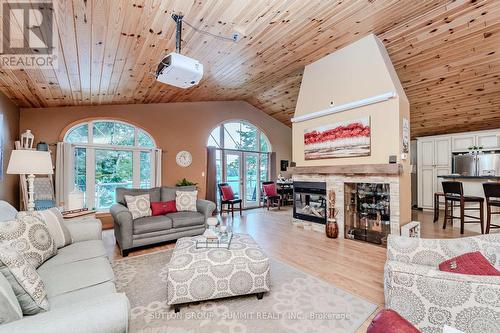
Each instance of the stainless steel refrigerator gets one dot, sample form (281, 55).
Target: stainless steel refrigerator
(484, 164)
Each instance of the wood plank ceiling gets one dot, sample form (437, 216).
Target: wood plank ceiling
(446, 53)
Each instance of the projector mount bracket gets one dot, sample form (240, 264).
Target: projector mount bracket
(178, 20)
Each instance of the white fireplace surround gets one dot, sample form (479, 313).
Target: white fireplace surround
(336, 182)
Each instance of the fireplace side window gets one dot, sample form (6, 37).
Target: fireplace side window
(367, 212)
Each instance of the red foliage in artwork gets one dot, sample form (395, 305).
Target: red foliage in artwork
(340, 132)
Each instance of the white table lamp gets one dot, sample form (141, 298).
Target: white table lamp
(30, 163)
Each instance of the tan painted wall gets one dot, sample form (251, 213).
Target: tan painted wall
(358, 71)
(9, 184)
(174, 126)
(355, 72)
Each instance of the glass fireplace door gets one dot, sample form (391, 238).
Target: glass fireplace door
(310, 201)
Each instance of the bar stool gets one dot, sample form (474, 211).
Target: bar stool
(454, 193)
(492, 194)
(437, 195)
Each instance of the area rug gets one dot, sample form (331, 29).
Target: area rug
(298, 302)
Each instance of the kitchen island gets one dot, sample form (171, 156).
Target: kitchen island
(473, 185)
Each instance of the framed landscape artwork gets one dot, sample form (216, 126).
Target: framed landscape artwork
(349, 138)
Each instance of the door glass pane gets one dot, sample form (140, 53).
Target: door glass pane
(264, 167)
(80, 171)
(251, 174)
(145, 169)
(113, 133)
(78, 134)
(218, 172)
(113, 168)
(233, 173)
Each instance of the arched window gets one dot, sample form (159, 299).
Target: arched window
(239, 135)
(242, 159)
(110, 154)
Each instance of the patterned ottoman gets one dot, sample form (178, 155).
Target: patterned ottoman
(209, 273)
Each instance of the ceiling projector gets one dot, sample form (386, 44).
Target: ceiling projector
(179, 71)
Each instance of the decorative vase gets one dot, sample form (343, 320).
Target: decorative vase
(332, 228)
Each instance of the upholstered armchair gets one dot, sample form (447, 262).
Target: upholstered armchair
(430, 298)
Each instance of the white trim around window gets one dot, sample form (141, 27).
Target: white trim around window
(90, 162)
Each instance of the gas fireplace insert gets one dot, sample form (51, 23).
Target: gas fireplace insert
(309, 202)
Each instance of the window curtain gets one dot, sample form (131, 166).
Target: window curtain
(65, 181)
(211, 188)
(274, 174)
(157, 160)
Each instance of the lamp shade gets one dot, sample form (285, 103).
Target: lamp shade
(27, 162)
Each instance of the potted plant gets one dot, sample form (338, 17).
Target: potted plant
(185, 182)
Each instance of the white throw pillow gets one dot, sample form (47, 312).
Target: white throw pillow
(54, 221)
(24, 280)
(185, 201)
(139, 205)
(30, 237)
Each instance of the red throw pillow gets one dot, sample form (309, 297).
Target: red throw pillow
(227, 192)
(270, 190)
(389, 321)
(472, 263)
(163, 207)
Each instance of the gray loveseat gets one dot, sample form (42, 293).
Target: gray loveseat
(130, 233)
(80, 286)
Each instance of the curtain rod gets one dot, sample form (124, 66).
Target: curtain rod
(347, 106)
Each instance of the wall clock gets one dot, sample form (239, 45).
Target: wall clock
(184, 158)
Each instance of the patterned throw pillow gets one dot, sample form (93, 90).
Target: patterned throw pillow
(139, 205)
(185, 201)
(30, 237)
(24, 280)
(54, 221)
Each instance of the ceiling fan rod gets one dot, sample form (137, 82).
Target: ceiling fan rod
(178, 20)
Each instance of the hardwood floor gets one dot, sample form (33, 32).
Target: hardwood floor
(351, 265)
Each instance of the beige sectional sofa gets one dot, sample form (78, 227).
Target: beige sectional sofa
(80, 287)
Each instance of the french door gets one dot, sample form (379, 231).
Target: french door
(243, 171)
(251, 183)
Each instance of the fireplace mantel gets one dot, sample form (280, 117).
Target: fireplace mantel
(358, 169)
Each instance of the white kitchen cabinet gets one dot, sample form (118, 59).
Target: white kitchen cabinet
(488, 141)
(463, 142)
(434, 159)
